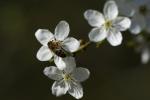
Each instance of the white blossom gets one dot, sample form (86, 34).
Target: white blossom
(56, 45)
(67, 79)
(108, 25)
(139, 11)
(143, 47)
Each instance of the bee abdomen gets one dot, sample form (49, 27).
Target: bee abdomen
(60, 53)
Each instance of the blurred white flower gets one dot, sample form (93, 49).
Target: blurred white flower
(67, 79)
(56, 45)
(139, 11)
(143, 47)
(125, 7)
(108, 25)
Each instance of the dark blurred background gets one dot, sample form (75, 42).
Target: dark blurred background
(116, 72)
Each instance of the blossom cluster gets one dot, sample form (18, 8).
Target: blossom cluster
(139, 12)
(109, 25)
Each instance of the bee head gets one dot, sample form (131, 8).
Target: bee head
(54, 45)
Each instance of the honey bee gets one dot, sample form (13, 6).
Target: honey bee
(55, 46)
(60, 52)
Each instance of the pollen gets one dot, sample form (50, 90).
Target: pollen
(108, 24)
(67, 77)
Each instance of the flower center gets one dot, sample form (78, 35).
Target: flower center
(108, 24)
(67, 77)
(143, 10)
(54, 45)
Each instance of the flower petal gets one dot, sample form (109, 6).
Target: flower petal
(94, 18)
(114, 38)
(97, 34)
(67, 64)
(80, 74)
(122, 23)
(59, 88)
(71, 44)
(126, 7)
(44, 36)
(44, 54)
(110, 10)
(62, 30)
(138, 24)
(145, 56)
(76, 90)
(53, 73)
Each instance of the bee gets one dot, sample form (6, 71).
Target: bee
(60, 52)
(55, 46)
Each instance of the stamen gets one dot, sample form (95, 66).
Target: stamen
(108, 24)
(67, 77)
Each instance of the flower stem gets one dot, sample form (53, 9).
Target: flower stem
(51, 60)
(83, 46)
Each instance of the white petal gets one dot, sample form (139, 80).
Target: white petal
(53, 73)
(76, 90)
(71, 44)
(44, 36)
(138, 24)
(62, 30)
(59, 88)
(110, 10)
(59, 61)
(97, 34)
(145, 56)
(94, 18)
(80, 74)
(68, 64)
(122, 23)
(114, 38)
(126, 7)
(44, 54)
